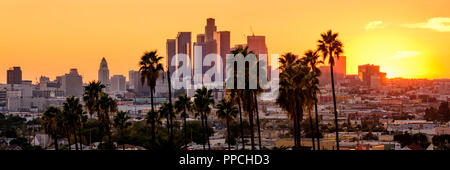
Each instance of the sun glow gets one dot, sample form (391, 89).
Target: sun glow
(397, 56)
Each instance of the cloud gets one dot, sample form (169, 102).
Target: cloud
(440, 24)
(405, 54)
(375, 25)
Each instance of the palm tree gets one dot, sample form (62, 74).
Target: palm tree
(73, 112)
(150, 66)
(164, 112)
(234, 97)
(153, 119)
(170, 102)
(121, 123)
(106, 106)
(227, 111)
(90, 98)
(203, 98)
(312, 58)
(51, 122)
(83, 119)
(183, 105)
(67, 127)
(91, 95)
(248, 97)
(331, 48)
(286, 97)
(293, 92)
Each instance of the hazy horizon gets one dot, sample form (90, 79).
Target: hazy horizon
(407, 38)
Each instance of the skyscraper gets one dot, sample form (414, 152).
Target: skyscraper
(183, 46)
(103, 72)
(200, 43)
(339, 70)
(257, 44)
(139, 88)
(118, 83)
(370, 75)
(341, 65)
(14, 76)
(223, 47)
(170, 53)
(210, 28)
(183, 43)
(72, 83)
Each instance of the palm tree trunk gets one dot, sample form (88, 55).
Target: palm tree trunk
(203, 134)
(170, 101)
(207, 131)
(312, 131)
(317, 126)
(171, 128)
(101, 129)
(185, 125)
(81, 138)
(250, 119)
(56, 142)
(295, 131)
(75, 138)
(335, 109)
(154, 131)
(168, 125)
(257, 122)
(151, 98)
(242, 125)
(299, 128)
(229, 135)
(68, 138)
(123, 144)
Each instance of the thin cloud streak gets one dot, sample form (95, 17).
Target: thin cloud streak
(375, 25)
(440, 24)
(405, 54)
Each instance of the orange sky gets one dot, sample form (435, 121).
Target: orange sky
(408, 38)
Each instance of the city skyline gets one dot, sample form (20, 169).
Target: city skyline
(57, 38)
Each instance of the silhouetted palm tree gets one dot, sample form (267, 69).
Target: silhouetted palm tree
(153, 119)
(52, 120)
(248, 96)
(73, 112)
(90, 98)
(170, 102)
(331, 48)
(312, 57)
(67, 127)
(227, 111)
(121, 123)
(164, 112)
(182, 106)
(150, 66)
(91, 95)
(234, 96)
(203, 98)
(293, 92)
(107, 106)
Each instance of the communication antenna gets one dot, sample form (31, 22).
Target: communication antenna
(251, 29)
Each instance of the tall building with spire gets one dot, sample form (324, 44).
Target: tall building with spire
(210, 28)
(103, 72)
